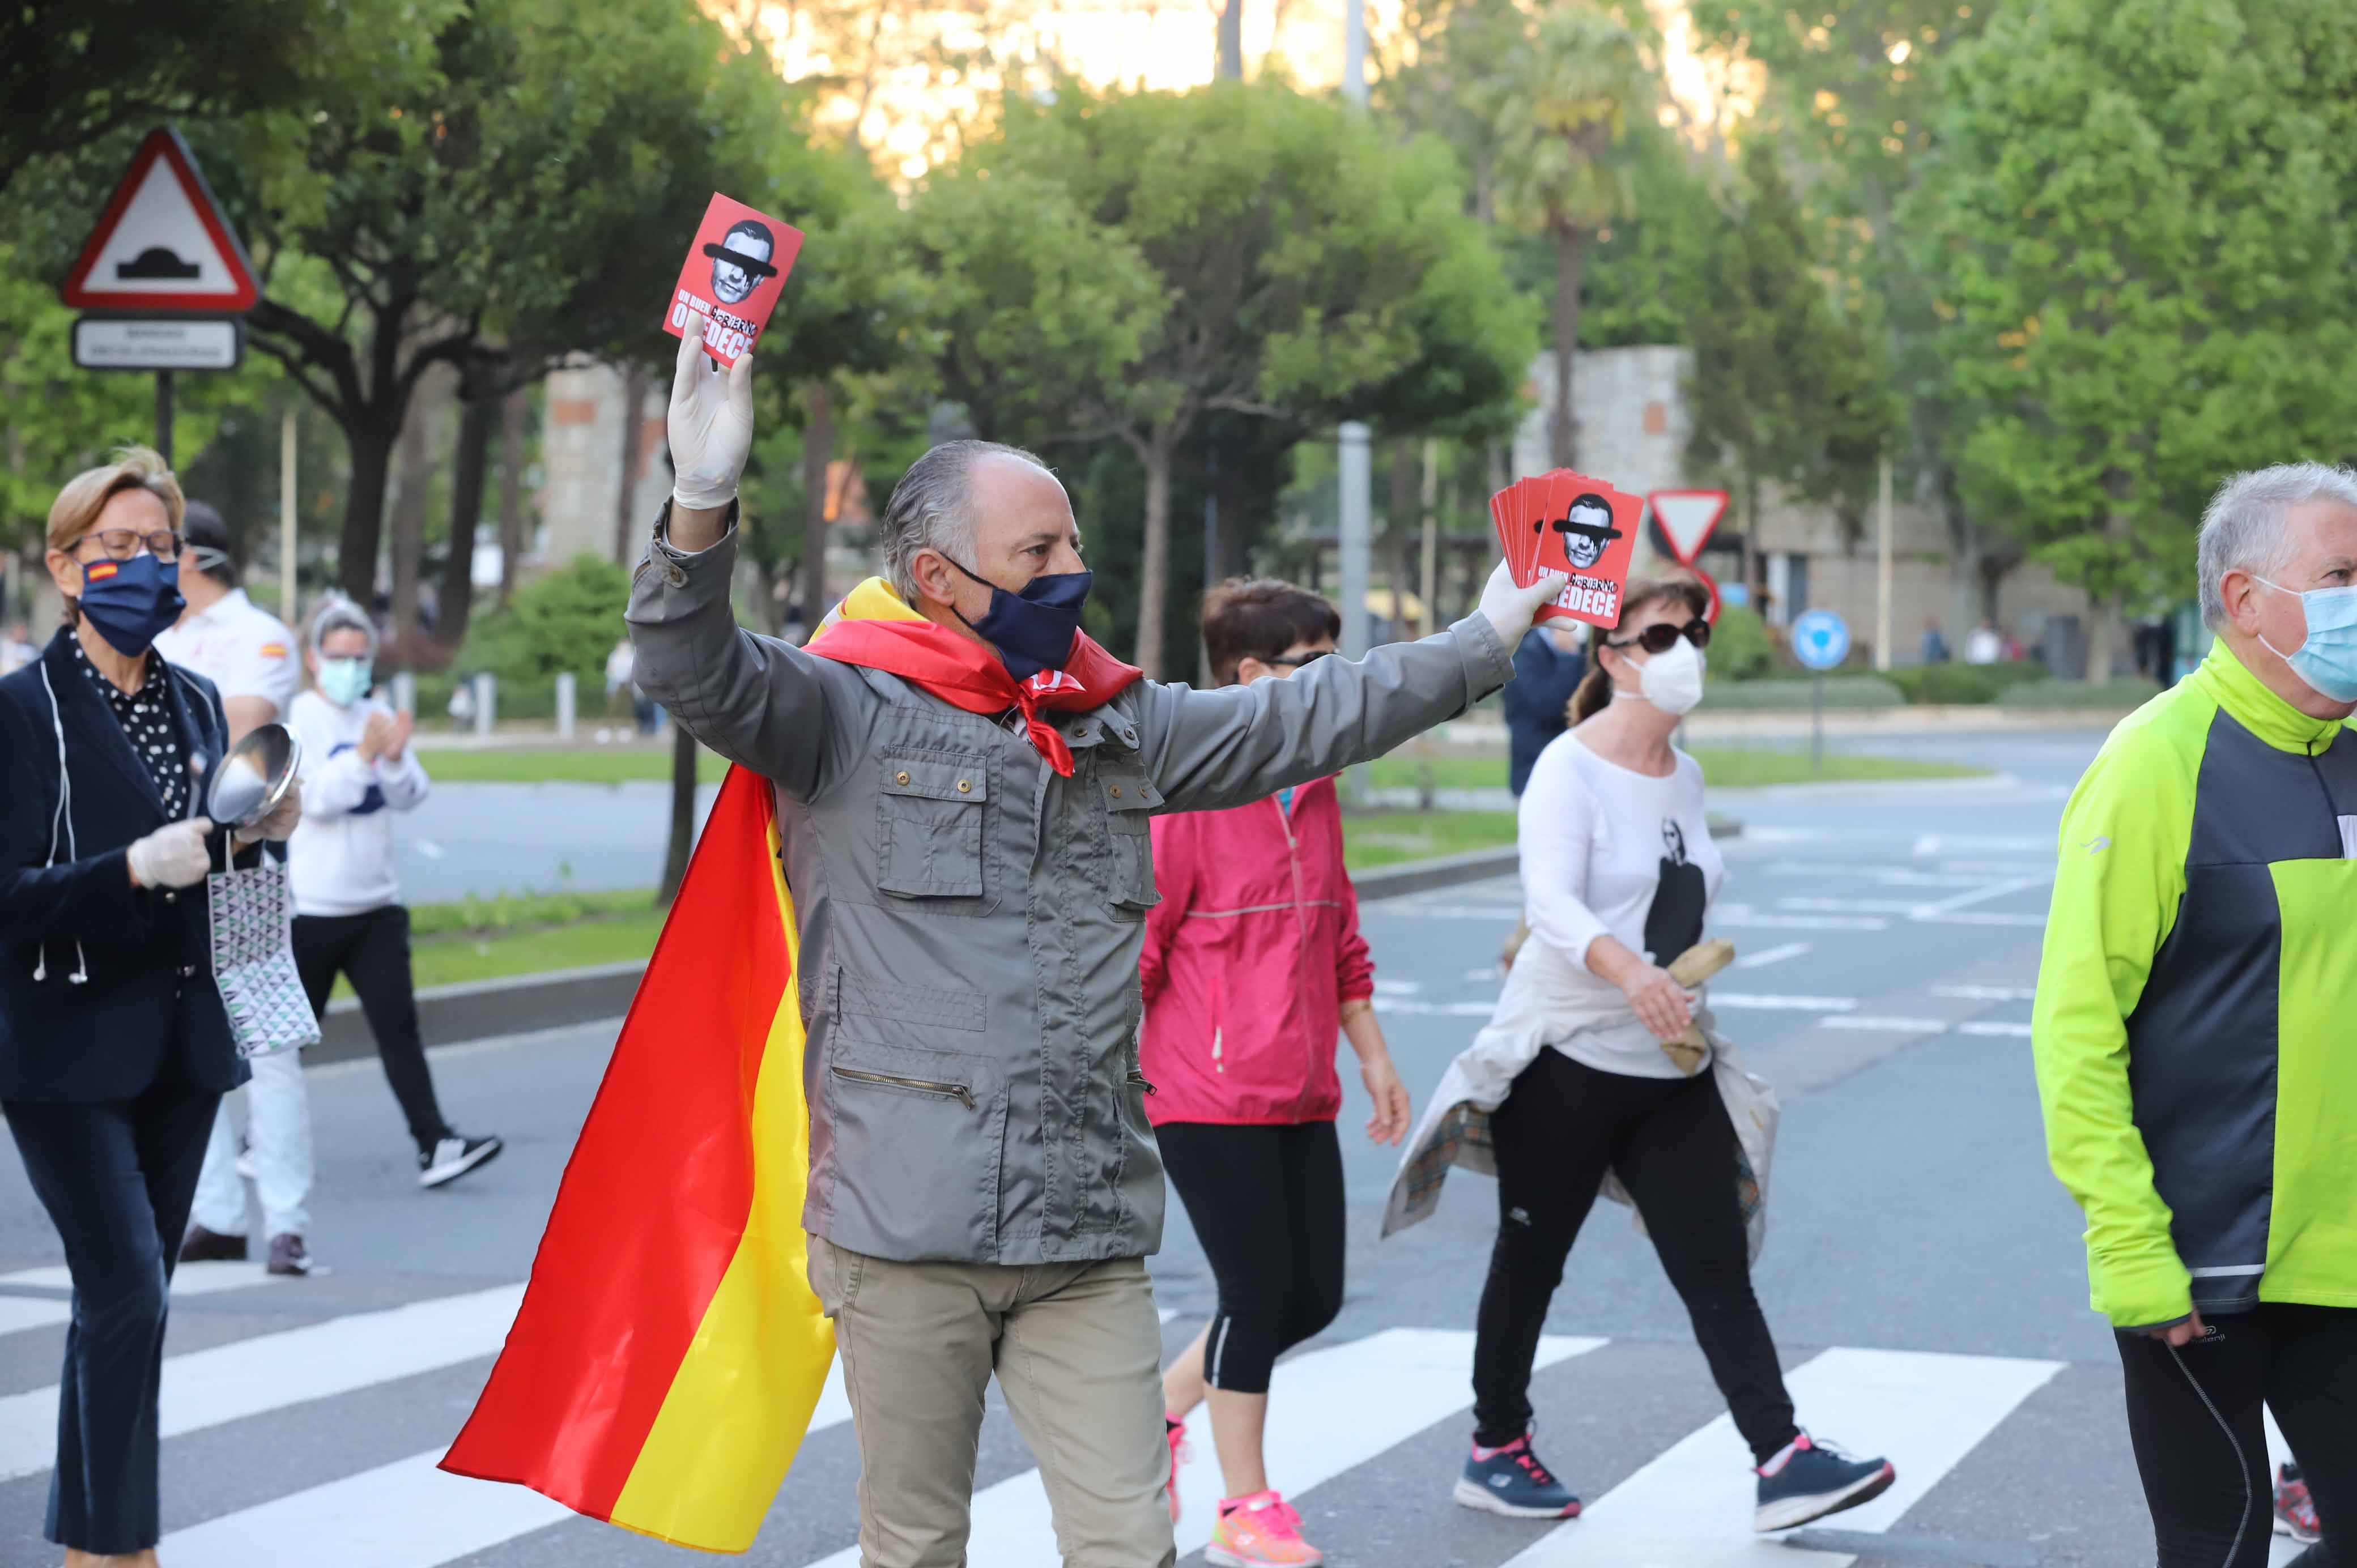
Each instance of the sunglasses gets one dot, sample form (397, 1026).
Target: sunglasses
(1661, 637)
(122, 543)
(1310, 658)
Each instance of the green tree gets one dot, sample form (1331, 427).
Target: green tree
(1564, 104)
(2141, 218)
(1786, 389)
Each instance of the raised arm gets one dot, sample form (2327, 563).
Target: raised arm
(1213, 750)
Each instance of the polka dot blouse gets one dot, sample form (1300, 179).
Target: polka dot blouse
(147, 718)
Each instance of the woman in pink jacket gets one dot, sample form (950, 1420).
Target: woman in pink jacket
(1253, 964)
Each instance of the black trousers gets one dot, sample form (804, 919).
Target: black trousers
(117, 1179)
(2194, 1416)
(1562, 1126)
(1266, 1203)
(374, 949)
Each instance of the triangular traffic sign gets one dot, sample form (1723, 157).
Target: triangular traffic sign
(1687, 518)
(162, 244)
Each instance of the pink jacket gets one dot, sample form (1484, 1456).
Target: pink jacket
(1248, 958)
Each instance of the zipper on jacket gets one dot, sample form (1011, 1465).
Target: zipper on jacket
(2331, 806)
(1139, 1078)
(957, 1091)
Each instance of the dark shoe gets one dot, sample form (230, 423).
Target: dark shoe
(452, 1157)
(1812, 1479)
(203, 1246)
(287, 1255)
(1513, 1482)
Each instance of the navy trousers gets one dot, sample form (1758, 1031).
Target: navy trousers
(117, 1179)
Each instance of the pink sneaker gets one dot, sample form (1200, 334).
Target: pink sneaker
(1176, 1431)
(1259, 1529)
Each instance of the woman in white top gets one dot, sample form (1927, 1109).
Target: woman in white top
(1619, 873)
(349, 916)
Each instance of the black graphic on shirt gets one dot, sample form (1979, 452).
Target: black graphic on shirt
(1675, 923)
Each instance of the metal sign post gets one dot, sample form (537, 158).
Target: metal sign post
(1820, 641)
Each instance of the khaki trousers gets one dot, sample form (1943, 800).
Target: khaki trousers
(1078, 1349)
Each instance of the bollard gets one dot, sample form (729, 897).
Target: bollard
(565, 687)
(487, 702)
(405, 692)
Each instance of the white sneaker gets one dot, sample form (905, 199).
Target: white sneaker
(452, 1157)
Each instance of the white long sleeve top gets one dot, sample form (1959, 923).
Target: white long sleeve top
(1608, 852)
(339, 861)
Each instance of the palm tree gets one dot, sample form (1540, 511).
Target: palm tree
(1561, 116)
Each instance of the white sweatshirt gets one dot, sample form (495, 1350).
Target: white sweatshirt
(1609, 852)
(339, 861)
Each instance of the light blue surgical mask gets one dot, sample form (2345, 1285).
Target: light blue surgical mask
(2327, 659)
(343, 682)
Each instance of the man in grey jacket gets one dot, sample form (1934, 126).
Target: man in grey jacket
(972, 886)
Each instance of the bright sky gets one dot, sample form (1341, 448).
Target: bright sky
(909, 106)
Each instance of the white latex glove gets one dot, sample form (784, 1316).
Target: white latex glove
(711, 423)
(174, 855)
(279, 825)
(1512, 609)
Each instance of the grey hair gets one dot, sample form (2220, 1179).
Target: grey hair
(340, 614)
(2242, 528)
(932, 507)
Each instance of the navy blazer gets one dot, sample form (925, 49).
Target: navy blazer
(68, 907)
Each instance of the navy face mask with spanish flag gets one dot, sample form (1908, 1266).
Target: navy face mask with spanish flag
(131, 603)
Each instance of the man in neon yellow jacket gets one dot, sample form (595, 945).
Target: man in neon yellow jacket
(2196, 1032)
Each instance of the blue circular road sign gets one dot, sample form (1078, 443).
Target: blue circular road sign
(1820, 640)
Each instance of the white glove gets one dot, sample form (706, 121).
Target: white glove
(174, 855)
(1512, 609)
(279, 825)
(711, 423)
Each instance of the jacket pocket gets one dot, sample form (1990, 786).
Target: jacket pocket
(920, 1140)
(1129, 802)
(929, 825)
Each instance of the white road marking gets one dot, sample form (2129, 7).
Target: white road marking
(1981, 896)
(1890, 876)
(1436, 1009)
(19, 1313)
(1398, 987)
(1767, 956)
(1990, 1026)
(1691, 1507)
(1854, 906)
(1505, 913)
(1743, 917)
(1983, 917)
(1771, 1001)
(1329, 1411)
(272, 1371)
(1879, 1023)
(1987, 992)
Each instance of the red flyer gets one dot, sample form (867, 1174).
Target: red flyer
(1582, 527)
(736, 266)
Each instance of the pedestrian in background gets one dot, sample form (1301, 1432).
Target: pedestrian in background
(1935, 642)
(1985, 644)
(114, 1046)
(1548, 664)
(1619, 873)
(2193, 1025)
(357, 765)
(1253, 964)
(248, 656)
(17, 649)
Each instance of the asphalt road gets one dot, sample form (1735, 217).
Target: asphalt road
(1922, 1272)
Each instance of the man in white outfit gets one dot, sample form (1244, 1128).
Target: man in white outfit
(250, 655)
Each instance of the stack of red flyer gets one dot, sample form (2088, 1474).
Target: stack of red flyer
(1568, 522)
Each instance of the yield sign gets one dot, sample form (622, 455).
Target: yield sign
(1687, 518)
(162, 243)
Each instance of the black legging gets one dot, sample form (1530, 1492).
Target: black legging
(373, 948)
(1266, 1203)
(1561, 1127)
(2194, 1416)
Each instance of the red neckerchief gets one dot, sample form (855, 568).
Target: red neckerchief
(965, 675)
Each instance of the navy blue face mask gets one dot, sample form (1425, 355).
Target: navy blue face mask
(131, 603)
(1033, 630)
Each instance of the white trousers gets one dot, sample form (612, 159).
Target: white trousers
(278, 1133)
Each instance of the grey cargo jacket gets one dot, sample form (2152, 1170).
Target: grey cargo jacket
(971, 922)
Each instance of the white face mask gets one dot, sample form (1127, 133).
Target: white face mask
(1672, 681)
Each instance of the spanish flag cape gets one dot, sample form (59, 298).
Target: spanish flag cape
(663, 1370)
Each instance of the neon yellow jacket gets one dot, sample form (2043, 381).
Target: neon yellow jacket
(2195, 1026)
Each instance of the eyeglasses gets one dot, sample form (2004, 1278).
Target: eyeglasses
(1312, 657)
(122, 543)
(1661, 637)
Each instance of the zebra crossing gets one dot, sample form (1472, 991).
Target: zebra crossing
(1337, 1407)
